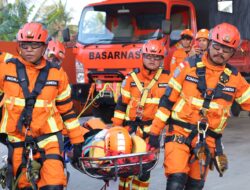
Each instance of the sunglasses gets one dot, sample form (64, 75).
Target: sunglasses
(225, 49)
(151, 56)
(33, 45)
(186, 37)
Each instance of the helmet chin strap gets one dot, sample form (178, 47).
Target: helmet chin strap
(149, 70)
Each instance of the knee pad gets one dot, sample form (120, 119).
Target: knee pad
(144, 177)
(194, 184)
(52, 187)
(176, 181)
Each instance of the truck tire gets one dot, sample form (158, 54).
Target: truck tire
(235, 109)
(105, 112)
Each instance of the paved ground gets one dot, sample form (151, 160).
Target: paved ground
(237, 144)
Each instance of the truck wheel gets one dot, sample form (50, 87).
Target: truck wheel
(105, 112)
(235, 109)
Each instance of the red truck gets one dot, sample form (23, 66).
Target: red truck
(112, 32)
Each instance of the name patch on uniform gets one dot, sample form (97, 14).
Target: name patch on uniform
(51, 83)
(162, 85)
(11, 79)
(229, 89)
(191, 79)
(134, 84)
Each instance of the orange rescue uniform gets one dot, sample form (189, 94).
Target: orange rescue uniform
(128, 104)
(183, 103)
(178, 56)
(53, 109)
(130, 113)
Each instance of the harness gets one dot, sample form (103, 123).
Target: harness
(140, 108)
(201, 130)
(30, 144)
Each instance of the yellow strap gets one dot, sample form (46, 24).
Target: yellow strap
(145, 90)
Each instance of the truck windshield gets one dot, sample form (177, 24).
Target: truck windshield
(121, 23)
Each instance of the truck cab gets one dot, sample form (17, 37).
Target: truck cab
(110, 36)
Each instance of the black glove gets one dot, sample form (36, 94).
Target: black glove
(154, 141)
(77, 153)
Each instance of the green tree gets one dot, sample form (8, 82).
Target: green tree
(12, 17)
(55, 17)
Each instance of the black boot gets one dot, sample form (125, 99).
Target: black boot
(176, 181)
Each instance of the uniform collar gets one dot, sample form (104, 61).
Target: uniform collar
(41, 65)
(210, 66)
(147, 74)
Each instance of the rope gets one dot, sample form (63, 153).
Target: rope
(96, 97)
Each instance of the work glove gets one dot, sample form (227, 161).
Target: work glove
(77, 153)
(154, 142)
(221, 163)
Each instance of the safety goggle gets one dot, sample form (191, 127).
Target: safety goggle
(33, 45)
(225, 49)
(152, 56)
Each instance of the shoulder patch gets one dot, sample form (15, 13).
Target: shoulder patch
(123, 83)
(177, 72)
(192, 79)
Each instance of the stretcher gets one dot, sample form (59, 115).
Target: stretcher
(112, 167)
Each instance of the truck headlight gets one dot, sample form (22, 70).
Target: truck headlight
(79, 72)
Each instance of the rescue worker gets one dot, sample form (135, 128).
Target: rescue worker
(140, 95)
(196, 104)
(3, 57)
(201, 42)
(36, 105)
(55, 52)
(180, 54)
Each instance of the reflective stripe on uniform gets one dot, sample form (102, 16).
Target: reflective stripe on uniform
(44, 142)
(13, 139)
(64, 94)
(179, 105)
(21, 102)
(72, 125)
(199, 102)
(152, 100)
(52, 123)
(125, 93)
(222, 122)
(162, 116)
(119, 115)
(4, 121)
(175, 85)
(7, 56)
(245, 96)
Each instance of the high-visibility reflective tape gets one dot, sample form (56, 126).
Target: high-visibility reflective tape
(64, 94)
(245, 96)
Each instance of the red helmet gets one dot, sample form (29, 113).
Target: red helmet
(155, 47)
(55, 48)
(118, 141)
(226, 34)
(32, 32)
(187, 32)
(202, 33)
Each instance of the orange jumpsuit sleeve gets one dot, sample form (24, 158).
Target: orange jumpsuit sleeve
(64, 106)
(167, 101)
(122, 103)
(243, 93)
